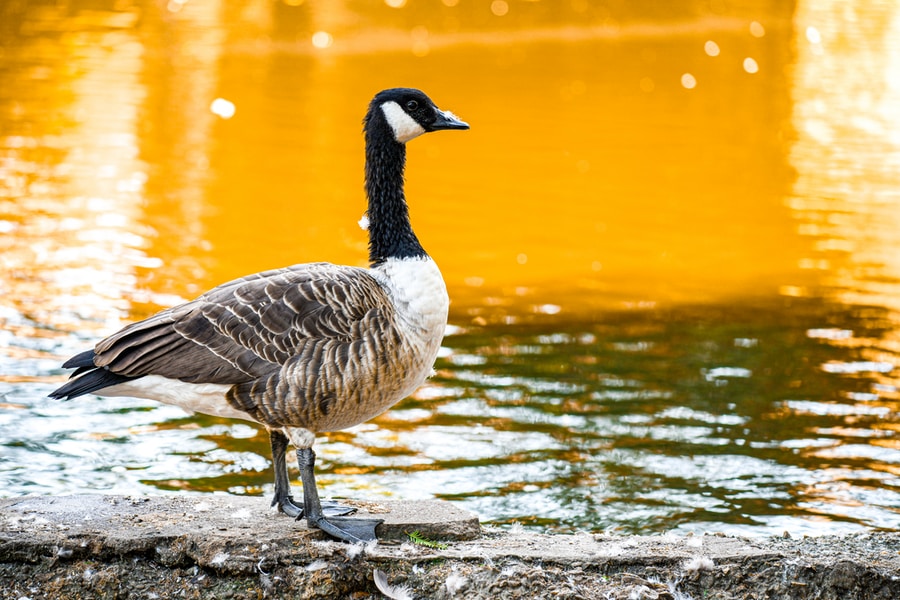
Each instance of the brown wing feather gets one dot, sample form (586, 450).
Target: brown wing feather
(248, 328)
(322, 387)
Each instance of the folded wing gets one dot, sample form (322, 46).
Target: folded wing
(239, 332)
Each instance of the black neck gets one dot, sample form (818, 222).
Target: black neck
(390, 232)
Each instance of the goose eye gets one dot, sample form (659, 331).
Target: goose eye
(412, 105)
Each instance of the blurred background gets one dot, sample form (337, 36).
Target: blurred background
(671, 238)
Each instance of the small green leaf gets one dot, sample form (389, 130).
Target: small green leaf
(416, 538)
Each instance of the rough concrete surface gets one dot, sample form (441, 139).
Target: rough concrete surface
(235, 547)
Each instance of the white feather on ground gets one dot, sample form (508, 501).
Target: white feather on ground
(394, 592)
(698, 563)
(455, 582)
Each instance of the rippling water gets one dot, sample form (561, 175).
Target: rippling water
(675, 298)
(691, 418)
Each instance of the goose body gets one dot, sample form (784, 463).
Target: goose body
(304, 349)
(318, 346)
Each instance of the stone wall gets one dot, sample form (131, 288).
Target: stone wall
(219, 546)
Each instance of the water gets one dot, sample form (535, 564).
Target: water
(674, 308)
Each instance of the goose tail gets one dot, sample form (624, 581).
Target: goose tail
(87, 377)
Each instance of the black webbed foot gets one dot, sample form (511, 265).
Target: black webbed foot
(287, 506)
(343, 528)
(350, 530)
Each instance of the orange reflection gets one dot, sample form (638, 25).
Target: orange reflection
(591, 176)
(625, 157)
(71, 186)
(847, 153)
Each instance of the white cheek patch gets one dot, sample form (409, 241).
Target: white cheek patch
(404, 126)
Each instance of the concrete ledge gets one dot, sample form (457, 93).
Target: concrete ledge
(235, 547)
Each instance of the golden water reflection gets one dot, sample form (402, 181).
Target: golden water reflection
(846, 112)
(591, 177)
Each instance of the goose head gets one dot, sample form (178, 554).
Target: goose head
(408, 113)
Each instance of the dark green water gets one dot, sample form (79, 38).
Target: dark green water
(743, 418)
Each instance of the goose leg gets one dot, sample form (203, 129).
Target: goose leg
(283, 498)
(346, 529)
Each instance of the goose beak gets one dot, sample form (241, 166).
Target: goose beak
(447, 120)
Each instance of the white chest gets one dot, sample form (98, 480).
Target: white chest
(420, 300)
(418, 293)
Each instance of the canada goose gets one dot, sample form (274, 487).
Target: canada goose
(304, 349)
